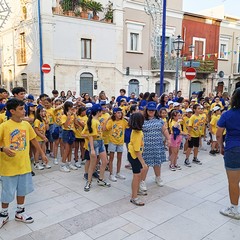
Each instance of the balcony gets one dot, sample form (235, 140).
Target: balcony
(236, 69)
(21, 56)
(169, 64)
(206, 66)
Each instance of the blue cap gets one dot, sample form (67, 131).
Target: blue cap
(141, 108)
(40, 106)
(151, 106)
(88, 111)
(30, 97)
(194, 93)
(117, 110)
(96, 108)
(103, 103)
(2, 106)
(31, 104)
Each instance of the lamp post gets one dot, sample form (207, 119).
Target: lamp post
(178, 44)
(190, 49)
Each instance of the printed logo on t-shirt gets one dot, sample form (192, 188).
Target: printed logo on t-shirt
(117, 131)
(18, 140)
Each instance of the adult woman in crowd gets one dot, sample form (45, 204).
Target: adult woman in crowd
(153, 97)
(86, 98)
(102, 97)
(144, 100)
(229, 121)
(163, 101)
(62, 96)
(154, 149)
(69, 94)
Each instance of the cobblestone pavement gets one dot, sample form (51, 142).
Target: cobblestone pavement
(186, 208)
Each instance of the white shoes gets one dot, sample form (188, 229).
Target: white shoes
(47, 166)
(112, 178)
(38, 166)
(159, 181)
(143, 186)
(72, 167)
(230, 212)
(120, 176)
(78, 164)
(64, 168)
(55, 161)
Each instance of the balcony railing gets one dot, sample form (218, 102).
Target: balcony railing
(206, 66)
(21, 56)
(236, 68)
(169, 64)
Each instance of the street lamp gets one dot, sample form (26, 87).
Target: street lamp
(178, 44)
(190, 49)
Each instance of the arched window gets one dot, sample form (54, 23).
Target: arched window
(133, 87)
(86, 83)
(196, 86)
(24, 81)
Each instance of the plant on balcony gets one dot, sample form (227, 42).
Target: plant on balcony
(95, 7)
(109, 12)
(84, 4)
(67, 7)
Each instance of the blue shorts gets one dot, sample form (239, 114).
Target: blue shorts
(115, 147)
(20, 184)
(49, 133)
(98, 147)
(68, 136)
(232, 159)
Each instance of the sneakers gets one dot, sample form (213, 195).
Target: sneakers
(230, 212)
(64, 168)
(87, 187)
(103, 183)
(120, 176)
(95, 175)
(178, 167)
(112, 178)
(55, 161)
(47, 166)
(37, 166)
(172, 168)
(23, 217)
(212, 153)
(187, 163)
(159, 181)
(196, 161)
(3, 219)
(72, 167)
(143, 186)
(141, 193)
(78, 164)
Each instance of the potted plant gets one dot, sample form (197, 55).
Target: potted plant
(95, 7)
(84, 4)
(67, 6)
(109, 13)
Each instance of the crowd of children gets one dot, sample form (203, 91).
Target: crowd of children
(96, 130)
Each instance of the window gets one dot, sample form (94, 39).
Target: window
(134, 41)
(223, 47)
(86, 48)
(21, 52)
(200, 48)
(134, 36)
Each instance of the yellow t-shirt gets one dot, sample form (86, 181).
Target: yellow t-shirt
(50, 115)
(70, 123)
(102, 119)
(214, 104)
(117, 129)
(213, 123)
(124, 109)
(3, 117)
(136, 143)
(175, 124)
(203, 122)
(185, 124)
(41, 127)
(58, 116)
(96, 130)
(16, 136)
(78, 133)
(194, 122)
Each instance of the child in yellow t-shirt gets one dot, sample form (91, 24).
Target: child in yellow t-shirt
(116, 126)
(185, 123)
(93, 131)
(3, 116)
(135, 150)
(79, 141)
(40, 126)
(15, 165)
(213, 129)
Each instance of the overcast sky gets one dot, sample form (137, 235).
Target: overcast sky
(231, 6)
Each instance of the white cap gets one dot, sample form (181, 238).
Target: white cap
(193, 100)
(89, 105)
(216, 108)
(201, 106)
(176, 104)
(170, 102)
(188, 110)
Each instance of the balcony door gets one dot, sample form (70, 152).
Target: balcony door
(86, 83)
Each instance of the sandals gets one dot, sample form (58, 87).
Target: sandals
(137, 202)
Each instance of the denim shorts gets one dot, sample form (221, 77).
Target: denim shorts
(19, 184)
(49, 133)
(68, 137)
(232, 159)
(98, 147)
(115, 147)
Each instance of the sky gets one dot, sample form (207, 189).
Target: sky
(232, 7)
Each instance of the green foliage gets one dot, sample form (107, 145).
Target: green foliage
(95, 7)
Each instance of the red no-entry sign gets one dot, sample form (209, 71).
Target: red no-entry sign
(191, 73)
(46, 68)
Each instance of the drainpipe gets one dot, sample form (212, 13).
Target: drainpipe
(40, 47)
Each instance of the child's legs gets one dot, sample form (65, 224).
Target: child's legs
(135, 184)
(119, 161)
(66, 147)
(103, 157)
(82, 149)
(195, 152)
(111, 157)
(76, 148)
(55, 147)
(176, 156)
(92, 166)
(69, 157)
